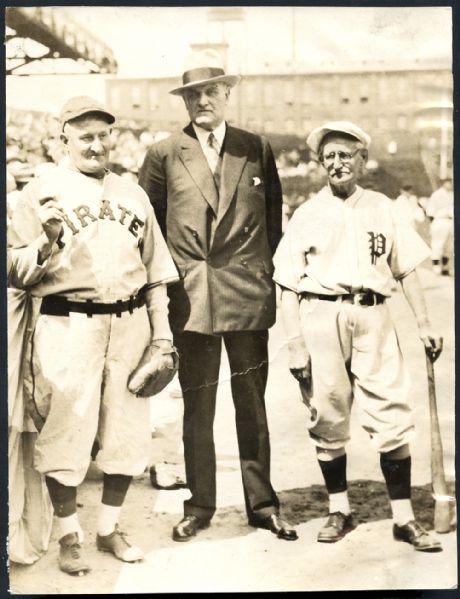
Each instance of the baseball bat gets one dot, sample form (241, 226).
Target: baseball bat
(442, 520)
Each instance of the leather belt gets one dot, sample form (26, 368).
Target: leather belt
(58, 305)
(365, 298)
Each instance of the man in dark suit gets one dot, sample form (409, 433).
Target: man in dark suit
(217, 197)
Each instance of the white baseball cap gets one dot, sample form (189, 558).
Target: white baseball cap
(317, 135)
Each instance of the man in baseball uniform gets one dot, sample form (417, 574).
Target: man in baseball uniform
(440, 211)
(87, 242)
(336, 266)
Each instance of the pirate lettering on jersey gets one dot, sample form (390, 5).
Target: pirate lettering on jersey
(377, 245)
(84, 217)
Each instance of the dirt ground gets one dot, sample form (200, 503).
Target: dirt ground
(229, 545)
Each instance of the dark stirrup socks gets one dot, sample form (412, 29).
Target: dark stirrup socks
(335, 474)
(397, 476)
(64, 499)
(115, 488)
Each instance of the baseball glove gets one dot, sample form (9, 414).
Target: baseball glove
(157, 368)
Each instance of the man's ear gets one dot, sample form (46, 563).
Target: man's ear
(365, 155)
(64, 138)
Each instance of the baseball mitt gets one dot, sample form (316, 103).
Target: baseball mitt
(155, 370)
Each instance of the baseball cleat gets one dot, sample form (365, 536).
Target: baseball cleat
(336, 527)
(71, 560)
(414, 534)
(117, 544)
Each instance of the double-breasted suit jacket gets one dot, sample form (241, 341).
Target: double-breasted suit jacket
(221, 231)
(222, 240)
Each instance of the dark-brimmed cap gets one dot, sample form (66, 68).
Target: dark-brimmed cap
(80, 105)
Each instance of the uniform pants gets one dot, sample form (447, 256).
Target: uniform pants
(81, 367)
(441, 231)
(355, 357)
(200, 357)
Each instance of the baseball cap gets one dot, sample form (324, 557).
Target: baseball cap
(317, 135)
(80, 105)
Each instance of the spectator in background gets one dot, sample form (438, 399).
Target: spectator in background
(407, 207)
(440, 211)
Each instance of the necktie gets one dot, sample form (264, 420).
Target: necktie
(214, 152)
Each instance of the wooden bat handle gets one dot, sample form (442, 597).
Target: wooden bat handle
(438, 479)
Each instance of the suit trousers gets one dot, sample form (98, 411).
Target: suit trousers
(200, 357)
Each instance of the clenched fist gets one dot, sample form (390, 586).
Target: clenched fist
(50, 215)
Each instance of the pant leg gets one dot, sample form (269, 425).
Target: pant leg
(381, 381)
(328, 335)
(440, 231)
(124, 434)
(68, 360)
(248, 359)
(199, 361)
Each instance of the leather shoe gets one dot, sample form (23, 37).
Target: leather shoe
(71, 557)
(277, 526)
(188, 527)
(336, 527)
(417, 536)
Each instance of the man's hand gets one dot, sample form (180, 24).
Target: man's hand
(432, 342)
(299, 359)
(50, 215)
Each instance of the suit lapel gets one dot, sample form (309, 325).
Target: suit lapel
(234, 159)
(195, 162)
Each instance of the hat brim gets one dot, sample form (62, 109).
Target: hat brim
(317, 135)
(230, 80)
(110, 117)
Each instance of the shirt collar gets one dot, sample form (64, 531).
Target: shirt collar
(203, 134)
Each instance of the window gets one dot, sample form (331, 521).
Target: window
(364, 99)
(401, 86)
(290, 126)
(136, 96)
(153, 97)
(382, 122)
(327, 91)
(344, 91)
(268, 94)
(345, 100)
(382, 88)
(115, 97)
(307, 92)
(251, 94)
(289, 92)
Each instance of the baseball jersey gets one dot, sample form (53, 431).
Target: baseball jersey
(441, 204)
(333, 246)
(111, 244)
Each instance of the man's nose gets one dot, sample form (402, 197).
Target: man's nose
(97, 146)
(337, 162)
(202, 99)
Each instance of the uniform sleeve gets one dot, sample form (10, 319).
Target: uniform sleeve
(408, 250)
(23, 237)
(289, 259)
(152, 179)
(273, 198)
(158, 263)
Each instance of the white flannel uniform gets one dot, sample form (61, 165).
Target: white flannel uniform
(335, 247)
(111, 248)
(440, 208)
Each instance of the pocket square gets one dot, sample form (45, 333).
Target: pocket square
(256, 181)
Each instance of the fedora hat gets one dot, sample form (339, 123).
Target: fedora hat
(203, 68)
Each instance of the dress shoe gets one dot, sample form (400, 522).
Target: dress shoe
(71, 559)
(417, 536)
(277, 526)
(188, 527)
(117, 544)
(336, 527)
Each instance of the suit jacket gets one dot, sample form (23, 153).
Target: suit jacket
(222, 241)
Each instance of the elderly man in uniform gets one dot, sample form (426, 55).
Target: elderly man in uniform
(336, 265)
(87, 242)
(440, 211)
(217, 197)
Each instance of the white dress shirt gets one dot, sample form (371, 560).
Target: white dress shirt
(209, 152)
